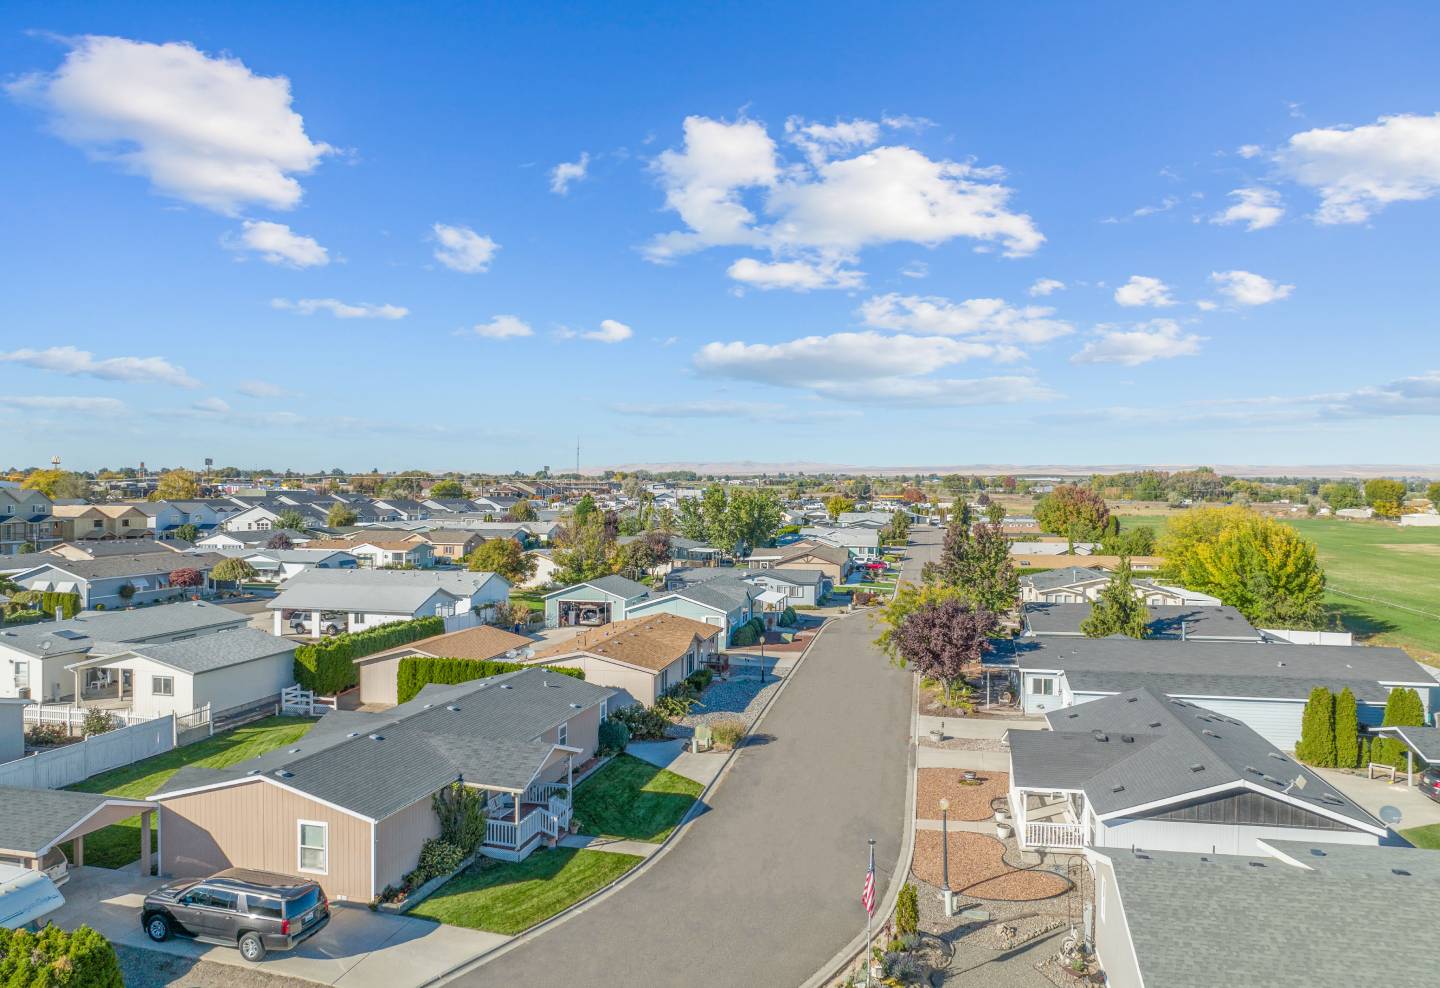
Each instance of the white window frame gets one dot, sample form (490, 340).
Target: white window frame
(155, 689)
(300, 847)
(604, 709)
(1048, 682)
(562, 734)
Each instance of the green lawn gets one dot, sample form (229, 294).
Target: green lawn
(1427, 837)
(632, 799)
(510, 898)
(533, 599)
(119, 845)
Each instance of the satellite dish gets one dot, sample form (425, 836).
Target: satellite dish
(1390, 814)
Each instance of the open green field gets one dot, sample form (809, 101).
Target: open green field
(1384, 581)
(119, 845)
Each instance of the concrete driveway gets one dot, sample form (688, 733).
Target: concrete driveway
(1372, 794)
(358, 949)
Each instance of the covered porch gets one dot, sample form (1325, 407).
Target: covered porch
(518, 820)
(1048, 818)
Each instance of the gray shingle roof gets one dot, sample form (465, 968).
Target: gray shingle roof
(145, 564)
(618, 586)
(1424, 740)
(491, 739)
(82, 631)
(34, 818)
(383, 590)
(1064, 576)
(1165, 620)
(1263, 921)
(1203, 669)
(1141, 747)
(211, 652)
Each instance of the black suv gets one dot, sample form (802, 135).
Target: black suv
(257, 911)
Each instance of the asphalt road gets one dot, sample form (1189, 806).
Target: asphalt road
(764, 889)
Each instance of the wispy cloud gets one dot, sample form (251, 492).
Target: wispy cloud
(461, 249)
(64, 403)
(339, 309)
(567, 173)
(74, 362)
(502, 327)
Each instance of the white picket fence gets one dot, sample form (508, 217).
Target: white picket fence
(73, 717)
(304, 703)
(76, 762)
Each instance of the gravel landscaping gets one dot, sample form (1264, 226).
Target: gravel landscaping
(978, 869)
(967, 802)
(740, 697)
(963, 744)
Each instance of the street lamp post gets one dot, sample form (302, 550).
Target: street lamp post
(945, 892)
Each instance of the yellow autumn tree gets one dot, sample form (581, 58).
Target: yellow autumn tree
(1262, 567)
(176, 485)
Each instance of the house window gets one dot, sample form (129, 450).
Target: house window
(96, 524)
(125, 523)
(162, 685)
(562, 736)
(1042, 687)
(314, 846)
(604, 709)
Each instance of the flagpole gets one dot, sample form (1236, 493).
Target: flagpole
(866, 956)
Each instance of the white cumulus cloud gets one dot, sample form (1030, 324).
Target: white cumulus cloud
(1359, 170)
(567, 173)
(1256, 207)
(276, 243)
(462, 249)
(990, 319)
(1158, 339)
(610, 331)
(1046, 286)
(1248, 288)
(74, 362)
(503, 328)
(203, 129)
(339, 309)
(731, 186)
(1143, 290)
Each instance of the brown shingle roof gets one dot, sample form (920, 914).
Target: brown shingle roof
(650, 642)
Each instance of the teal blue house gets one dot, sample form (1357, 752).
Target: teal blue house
(594, 602)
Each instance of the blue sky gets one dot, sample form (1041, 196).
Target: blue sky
(930, 235)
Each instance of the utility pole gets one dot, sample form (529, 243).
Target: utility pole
(577, 457)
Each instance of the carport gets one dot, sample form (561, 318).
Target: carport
(35, 822)
(1420, 742)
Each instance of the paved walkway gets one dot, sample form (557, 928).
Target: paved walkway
(676, 757)
(615, 846)
(763, 889)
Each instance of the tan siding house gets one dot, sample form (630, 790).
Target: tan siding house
(640, 657)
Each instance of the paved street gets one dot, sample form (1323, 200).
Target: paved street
(765, 887)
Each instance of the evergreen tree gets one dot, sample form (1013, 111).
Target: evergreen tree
(1347, 731)
(1119, 610)
(1402, 709)
(1317, 729)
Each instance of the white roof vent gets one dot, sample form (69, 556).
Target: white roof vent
(377, 737)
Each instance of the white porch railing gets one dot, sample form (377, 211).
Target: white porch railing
(532, 826)
(500, 833)
(542, 792)
(1054, 835)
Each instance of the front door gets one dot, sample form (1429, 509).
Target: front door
(127, 683)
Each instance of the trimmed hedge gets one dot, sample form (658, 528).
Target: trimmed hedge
(46, 601)
(418, 671)
(329, 666)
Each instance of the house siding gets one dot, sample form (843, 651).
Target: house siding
(398, 839)
(587, 593)
(1113, 945)
(256, 825)
(1214, 838)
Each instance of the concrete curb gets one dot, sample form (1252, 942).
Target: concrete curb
(600, 894)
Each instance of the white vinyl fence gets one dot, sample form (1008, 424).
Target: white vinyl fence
(76, 762)
(72, 718)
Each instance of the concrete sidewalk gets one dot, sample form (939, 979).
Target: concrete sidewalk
(612, 844)
(675, 756)
(357, 949)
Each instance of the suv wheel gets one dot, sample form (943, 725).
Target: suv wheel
(157, 928)
(252, 948)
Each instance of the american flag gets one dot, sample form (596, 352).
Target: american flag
(867, 895)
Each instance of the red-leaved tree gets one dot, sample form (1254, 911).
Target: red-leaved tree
(944, 639)
(186, 578)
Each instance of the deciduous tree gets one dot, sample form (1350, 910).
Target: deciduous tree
(1385, 496)
(837, 504)
(177, 485)
(57, 484)
(944, 640)
(1341, 495)
(290, 519)
(232, 571)
(504, 557)
(448, 487)
(341, 516)
(1076, 512)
